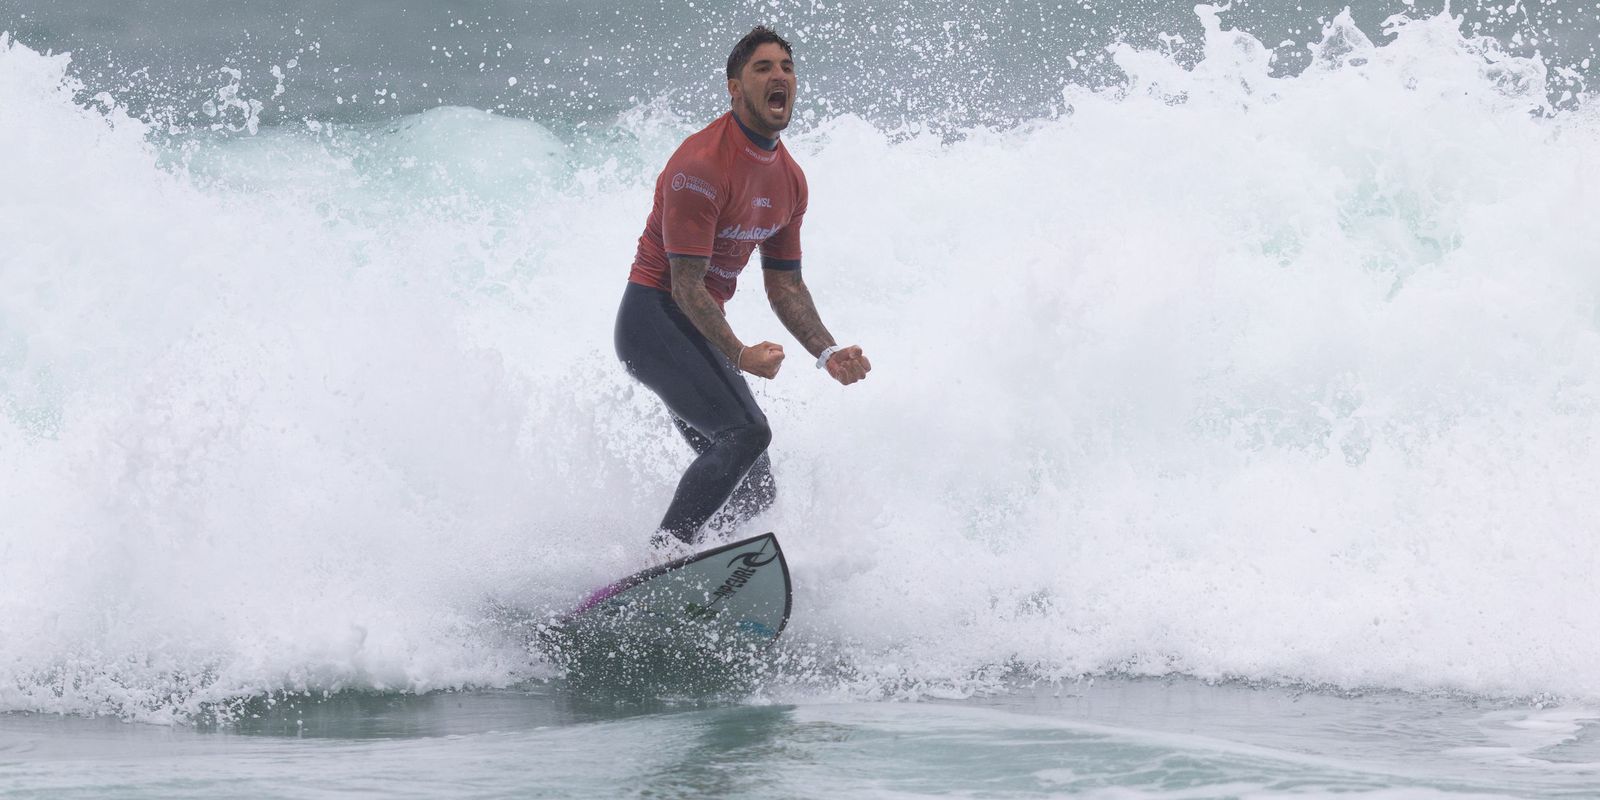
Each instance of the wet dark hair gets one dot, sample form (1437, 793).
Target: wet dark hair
(759, 35)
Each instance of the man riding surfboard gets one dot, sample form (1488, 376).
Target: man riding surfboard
(728, 190)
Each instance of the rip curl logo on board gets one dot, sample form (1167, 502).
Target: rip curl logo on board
(681, 181)
(751, 564)
(754, 559)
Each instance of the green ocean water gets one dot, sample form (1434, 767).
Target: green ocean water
(1104, 738)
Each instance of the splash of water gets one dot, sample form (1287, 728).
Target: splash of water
(1219, 372)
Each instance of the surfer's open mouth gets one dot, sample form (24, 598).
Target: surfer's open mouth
(778, 100)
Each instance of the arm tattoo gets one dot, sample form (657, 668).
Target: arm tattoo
(791, 301)
(690, 293)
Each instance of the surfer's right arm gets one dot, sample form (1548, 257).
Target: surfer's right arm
(690, 293)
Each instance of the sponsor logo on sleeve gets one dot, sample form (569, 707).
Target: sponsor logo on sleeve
(681, 181)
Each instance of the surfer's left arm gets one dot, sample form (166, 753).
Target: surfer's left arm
(791, 301)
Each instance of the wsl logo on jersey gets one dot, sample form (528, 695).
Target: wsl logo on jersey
(681, 181)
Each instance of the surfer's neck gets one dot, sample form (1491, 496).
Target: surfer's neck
(760, 141)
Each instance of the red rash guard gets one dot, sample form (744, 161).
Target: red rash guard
(719, 197)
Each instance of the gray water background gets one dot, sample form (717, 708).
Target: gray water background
(939, 62)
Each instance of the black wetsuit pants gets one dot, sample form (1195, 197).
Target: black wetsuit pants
(711, 406)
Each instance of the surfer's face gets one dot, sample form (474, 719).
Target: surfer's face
(765, 89)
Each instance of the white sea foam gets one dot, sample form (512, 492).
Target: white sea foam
(1220, 373)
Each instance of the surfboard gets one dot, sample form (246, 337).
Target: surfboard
(694, 621)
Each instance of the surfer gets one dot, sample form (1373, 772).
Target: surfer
(727, 190)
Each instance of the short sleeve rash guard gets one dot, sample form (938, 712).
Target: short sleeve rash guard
(721, 197)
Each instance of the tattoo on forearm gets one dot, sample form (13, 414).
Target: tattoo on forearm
(791, 301)
(690, 293)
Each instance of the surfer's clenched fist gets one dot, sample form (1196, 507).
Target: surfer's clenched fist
(791, 301)
(762, 359)
(848, 365)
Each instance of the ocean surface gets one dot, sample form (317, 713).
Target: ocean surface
(1232, 432)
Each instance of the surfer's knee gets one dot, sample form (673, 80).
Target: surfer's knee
(750, 439)
(760, 436)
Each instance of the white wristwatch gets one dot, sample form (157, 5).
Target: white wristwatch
(822, 360)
